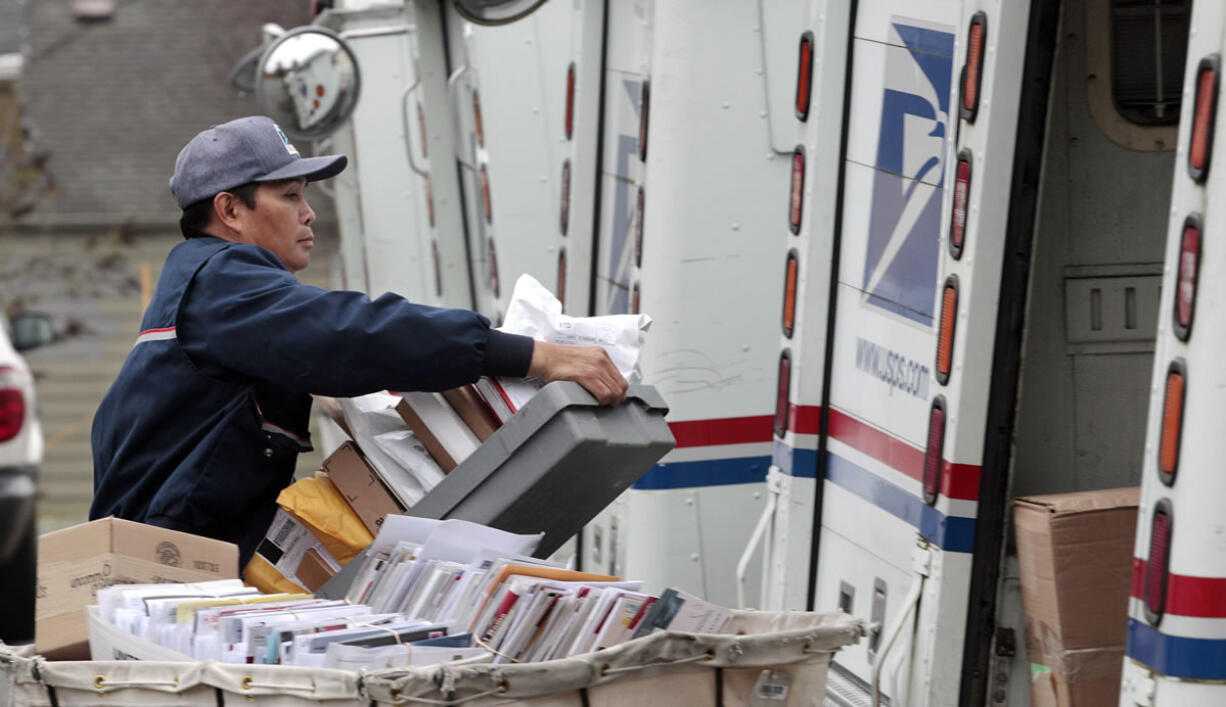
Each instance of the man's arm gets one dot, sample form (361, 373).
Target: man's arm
(245, 314)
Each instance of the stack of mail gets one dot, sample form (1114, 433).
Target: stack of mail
(429, 591)
(517, 607)
(226, 622)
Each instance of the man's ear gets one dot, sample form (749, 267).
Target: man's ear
(228, 210)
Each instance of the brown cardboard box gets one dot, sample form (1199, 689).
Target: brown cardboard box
(469, 405)
(1074, 553)
(366, 494)
(74, 563)
(441, 430)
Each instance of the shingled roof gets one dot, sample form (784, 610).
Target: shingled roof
(10, 27)
(114, 101)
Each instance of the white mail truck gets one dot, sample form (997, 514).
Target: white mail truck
(907, 259)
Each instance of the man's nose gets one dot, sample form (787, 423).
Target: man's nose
(309, 215)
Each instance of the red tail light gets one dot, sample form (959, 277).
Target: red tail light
(1172, 423)
(972, 71)
(562, 277)
(493, 269)
(421, 129)
(796, 205)
(1189, 265)
(12, 405)
(485, 196)
(478, 124)
(1200, 151)
(438, 268)
(782, 395)
(638, 231)
(934, 454)
(790, 277)
(945, 335)
(962, 196)
(804, 76)
(565, 219)
(634, 300)
(644, 110)
(1157, 568)
(570, 100)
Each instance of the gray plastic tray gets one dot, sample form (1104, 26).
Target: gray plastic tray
(552, 467)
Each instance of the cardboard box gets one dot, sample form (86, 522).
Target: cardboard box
(357, 482)
(74, 563)
(440, 428)
(473, 410)
(1074, 553)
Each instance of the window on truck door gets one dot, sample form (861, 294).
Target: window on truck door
(1135, 54)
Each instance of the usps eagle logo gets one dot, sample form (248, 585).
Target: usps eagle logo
(900, 271)
(289, 146)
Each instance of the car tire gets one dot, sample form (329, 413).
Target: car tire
(18, 580)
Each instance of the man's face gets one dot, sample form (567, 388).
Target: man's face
(281, 222)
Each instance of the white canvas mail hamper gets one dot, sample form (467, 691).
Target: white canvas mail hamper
(767, 658)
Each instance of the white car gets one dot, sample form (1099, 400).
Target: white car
(21, 453)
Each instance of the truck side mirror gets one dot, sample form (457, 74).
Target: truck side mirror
(31, 330)
(496, 12)
(307, 80)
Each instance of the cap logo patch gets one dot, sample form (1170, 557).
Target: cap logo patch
(289, 147)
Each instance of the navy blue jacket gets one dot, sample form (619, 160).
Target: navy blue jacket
(202, 428)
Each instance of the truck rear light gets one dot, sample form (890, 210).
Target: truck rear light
(1172, 422)
(638, 231)
(796, 204)
(485, 196)
(421, 129)
(1158, 566)
(438, 268)
(1189, 265)
(972, 71)
(804, 76)
(790, 276)
(565, 218)
(782, 395)
(945, 335)
(570, 100)
(429, 204)
(1200, 151)
(478, 124)
(493, 255)
(962, 195)
(562, 277)
(934, 454)
(644, 111)
(12, 404)
(634, 300)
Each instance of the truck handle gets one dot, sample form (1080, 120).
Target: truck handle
(452, 82)
(921, 564)
(762, 531)
(408, 129)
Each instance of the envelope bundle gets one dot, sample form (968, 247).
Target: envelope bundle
(230, 623)
(429, 591)
(519, 608)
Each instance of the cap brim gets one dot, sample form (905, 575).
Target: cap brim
(312, 169)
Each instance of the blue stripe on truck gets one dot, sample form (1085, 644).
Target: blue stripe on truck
(1176, 656)
(953, 533)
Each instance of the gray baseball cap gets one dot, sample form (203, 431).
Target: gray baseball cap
(251, 149)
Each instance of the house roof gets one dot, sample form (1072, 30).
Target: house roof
(10, 27)
(114, 101)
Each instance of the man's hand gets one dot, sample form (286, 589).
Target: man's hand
(588, 366)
